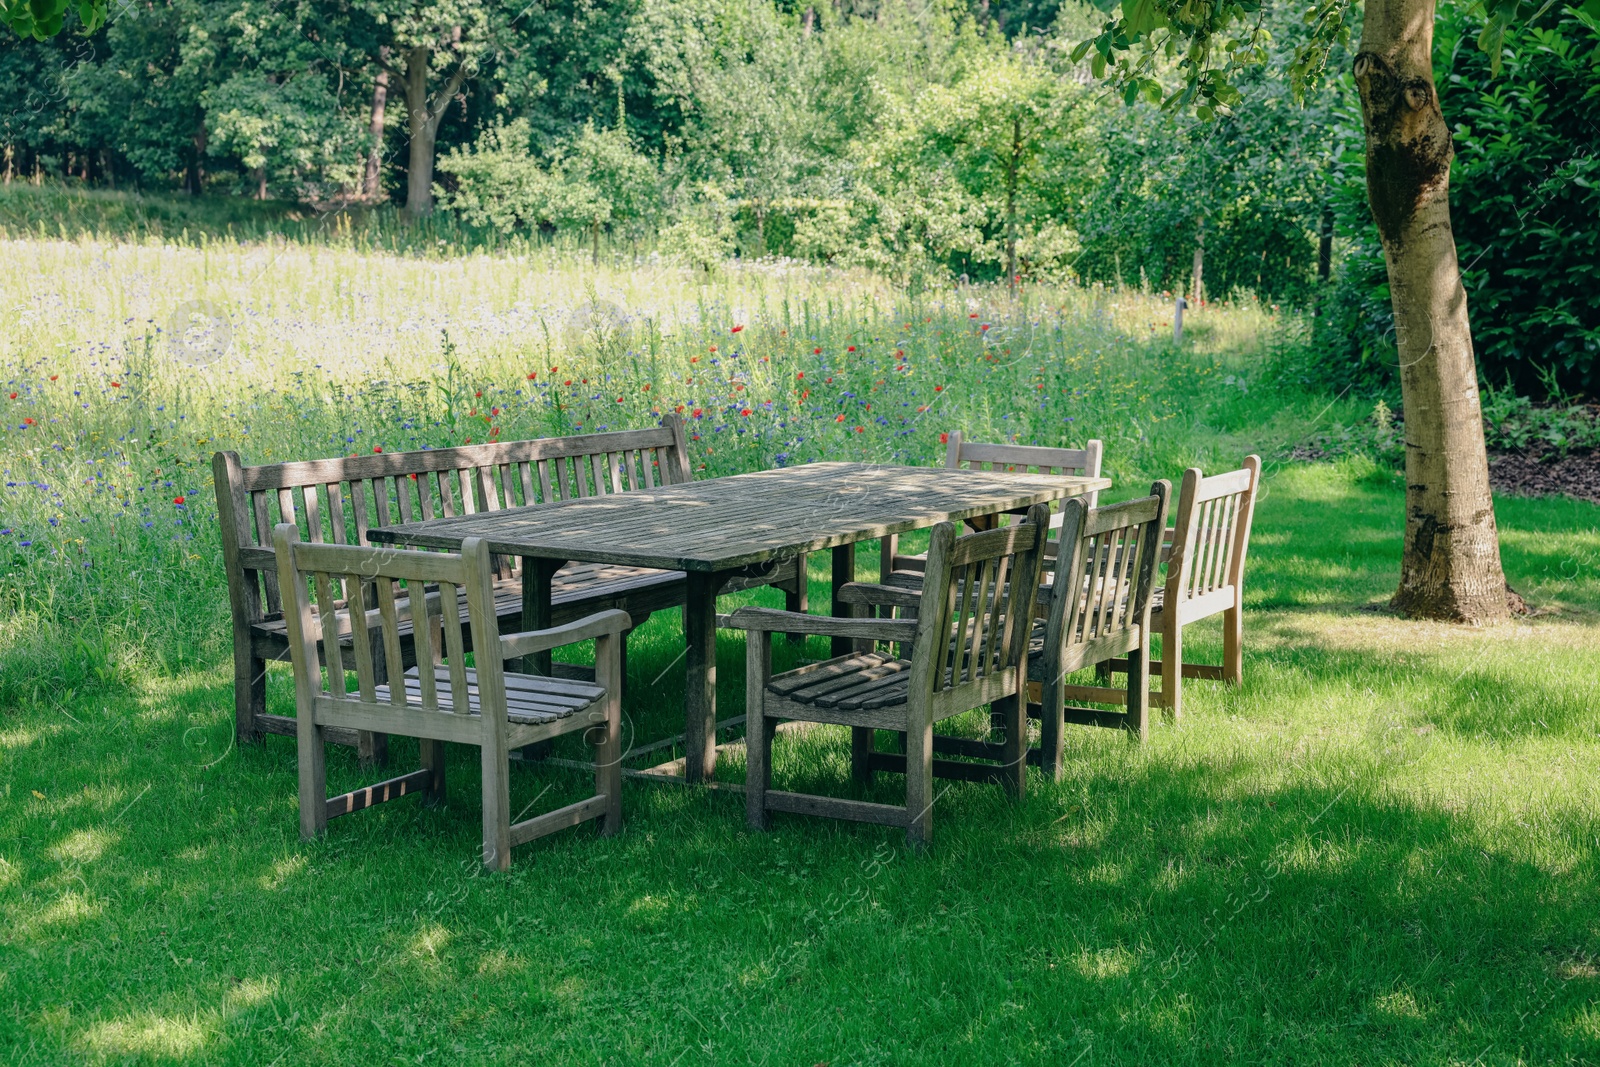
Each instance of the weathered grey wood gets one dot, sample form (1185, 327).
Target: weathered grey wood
(329, 498)
(481, 705)
(700, 694)
(962, 657)
(1099, 609)
(964, 455)
(726, 523)
(365, 797)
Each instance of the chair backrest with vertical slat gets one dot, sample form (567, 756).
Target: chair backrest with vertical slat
(335, 501)
(1084, 462)
(1105, 574)
(1211, 533)
(977, 602)
(424, 589)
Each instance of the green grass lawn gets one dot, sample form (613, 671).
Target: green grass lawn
(1381, 849)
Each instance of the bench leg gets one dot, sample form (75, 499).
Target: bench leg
(433, 763)
(861, 738)
(1013, 713)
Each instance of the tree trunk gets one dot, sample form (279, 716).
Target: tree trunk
(261, 183)
(194, 175)
(1325, 245)
(372, 181)
(1198, 275)
(423, 124)
(1450, 568)
(1011, 202)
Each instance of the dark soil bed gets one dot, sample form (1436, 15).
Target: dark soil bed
(1526, 474)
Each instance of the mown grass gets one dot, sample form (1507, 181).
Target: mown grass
(1380, 849)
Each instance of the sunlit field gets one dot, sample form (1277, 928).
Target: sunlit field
(1383, 848)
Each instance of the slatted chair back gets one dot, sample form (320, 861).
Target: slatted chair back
(1210, 537)
(972, 455)
(335, 501)
(976, 613)
(425, 589)
(1099, 605)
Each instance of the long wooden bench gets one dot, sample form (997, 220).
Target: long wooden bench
(337, 500)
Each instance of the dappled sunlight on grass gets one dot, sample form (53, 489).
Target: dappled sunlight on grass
(147, 1035)
(83, 846)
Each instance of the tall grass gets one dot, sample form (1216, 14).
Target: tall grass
(113, 404)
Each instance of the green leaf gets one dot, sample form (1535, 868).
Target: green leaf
(1141, 16)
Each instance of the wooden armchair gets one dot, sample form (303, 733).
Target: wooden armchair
(440, 698)
(1205, 576)
(968, 647)
(961, 454)
(1097, 608)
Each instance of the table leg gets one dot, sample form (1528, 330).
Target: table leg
(844, 572)
(537, 575)
(700, 685)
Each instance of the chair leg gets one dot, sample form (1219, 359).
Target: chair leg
(434, 762)
(608, 652)
(372, 748)
(861, 743)
(496, 799)
(249, 694)
(1013, 711)
(919, 781)
(1138, 720)
(1233, 646)
(1052, 729)
(312, 758)
(1171, 672)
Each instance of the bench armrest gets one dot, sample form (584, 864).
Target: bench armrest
(771, 620)
(600, 624)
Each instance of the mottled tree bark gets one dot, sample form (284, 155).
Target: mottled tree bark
(1450, 568)
(372, 180)
(423, 116)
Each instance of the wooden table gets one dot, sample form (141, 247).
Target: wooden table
(722, 528)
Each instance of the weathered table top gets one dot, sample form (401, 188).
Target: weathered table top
(724, 523)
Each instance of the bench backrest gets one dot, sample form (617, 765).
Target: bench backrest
(1105, 574)
(972, 455)
(1211, 533)
(337, 500)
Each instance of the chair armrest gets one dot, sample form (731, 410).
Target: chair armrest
(877, 593)
(600, 624)
(771, 620)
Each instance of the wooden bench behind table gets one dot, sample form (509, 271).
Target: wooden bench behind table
(337, 500)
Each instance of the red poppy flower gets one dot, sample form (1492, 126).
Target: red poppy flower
(647, 387)
(744, 411)
(694, 359)
(713, 348)
(53, 377)
(494, 411)
(736, 329)
(802, 374)
(944, 439)
(13, 396)
(816, 351)
(852, 348)
(697, 412)
(478, 393)
(116, 385)
(27, 422)
(938, 388)
(679, 408)
(178, 500)
(567, 382)
(861, 429)
(377, 448)
(838, 418)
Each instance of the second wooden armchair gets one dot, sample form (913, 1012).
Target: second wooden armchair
(968, 647)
